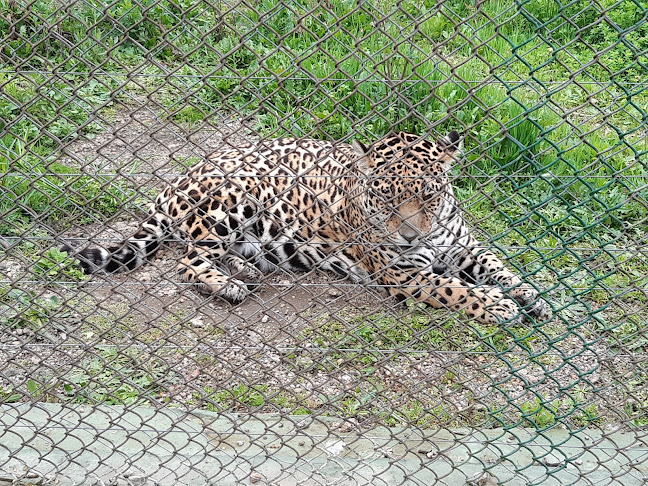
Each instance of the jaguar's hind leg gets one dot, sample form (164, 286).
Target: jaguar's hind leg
(200, 267)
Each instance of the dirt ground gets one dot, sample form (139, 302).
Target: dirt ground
(279, 340)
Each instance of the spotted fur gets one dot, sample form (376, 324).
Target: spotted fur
(384, 214)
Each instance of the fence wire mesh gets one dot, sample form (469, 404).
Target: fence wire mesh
(150, 376)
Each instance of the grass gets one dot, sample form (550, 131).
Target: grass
(109, 376)
(39, 116)
(556, 179)
(371, 335)
(375, 403)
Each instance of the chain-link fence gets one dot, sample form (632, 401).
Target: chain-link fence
(381, 345)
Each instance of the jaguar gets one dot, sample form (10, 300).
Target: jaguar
(381, 214)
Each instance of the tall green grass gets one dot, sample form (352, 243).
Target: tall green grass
(568, 154)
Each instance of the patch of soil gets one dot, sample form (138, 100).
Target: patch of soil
(141, 140)
(273, 339)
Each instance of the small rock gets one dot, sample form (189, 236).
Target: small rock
(239, 443)
(136, 480)
(334, 447)
(482, 479)
(255, 477)
(348, 425)
(304, 361)
(264, 319)
(552, 461)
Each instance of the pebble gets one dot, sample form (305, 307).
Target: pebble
(255, 477)
(264, 319)
(552, 461)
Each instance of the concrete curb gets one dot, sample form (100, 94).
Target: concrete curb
(80, 445)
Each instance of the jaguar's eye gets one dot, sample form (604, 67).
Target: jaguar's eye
(381, 189)
(430, 196)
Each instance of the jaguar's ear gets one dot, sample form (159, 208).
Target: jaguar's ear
(451, 148)
(365, 162)
(359, 147)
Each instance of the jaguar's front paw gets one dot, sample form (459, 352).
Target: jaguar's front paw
(504, 311)
(531, 303)
(234, 291)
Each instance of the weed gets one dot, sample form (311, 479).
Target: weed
(8, 395)
(22, 309)
(55, 264)
(542, 414)
(238, 397)
(113, 376)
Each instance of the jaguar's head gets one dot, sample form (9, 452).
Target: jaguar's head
(406, 183)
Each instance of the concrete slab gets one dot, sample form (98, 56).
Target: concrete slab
(115, 445)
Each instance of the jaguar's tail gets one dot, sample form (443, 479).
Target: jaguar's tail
(130, 253)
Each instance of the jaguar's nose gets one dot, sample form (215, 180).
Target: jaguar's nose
(408, 232)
